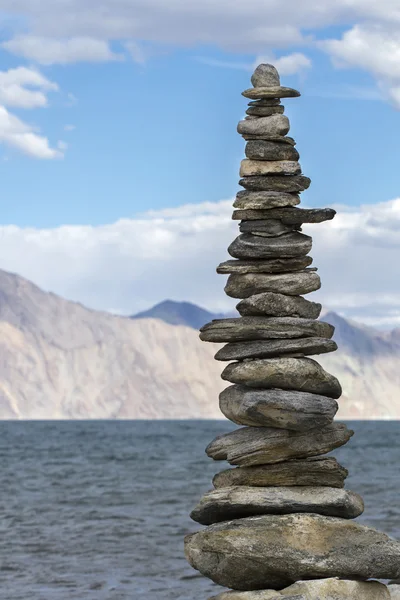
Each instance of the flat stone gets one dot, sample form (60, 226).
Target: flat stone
(263, 328)
(264, 150)
(273, 125)
(264, 200)
(267, 228)
(293, 244)
(274, 265)
(265, 102)
(250, 167)
(250, 446)
(270, 92)
(274, 551)
(288, 216)
(238, 502)
(303, 374)
(280, 139)
(292, 284)
(265, 75)
(332, 588)
(265, 111)
(274, 348)
(284, 409)
(276, 183)
(316, 471)
(279, 305)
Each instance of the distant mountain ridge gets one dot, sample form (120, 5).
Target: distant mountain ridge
(61, 360)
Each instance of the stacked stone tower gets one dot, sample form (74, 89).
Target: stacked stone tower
(281, 517)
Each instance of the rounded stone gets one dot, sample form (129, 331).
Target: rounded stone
(273, 125)
(290, 245)
(265, 150)
(265, 111)
(265, 75)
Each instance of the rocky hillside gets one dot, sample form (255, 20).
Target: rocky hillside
(60, 360)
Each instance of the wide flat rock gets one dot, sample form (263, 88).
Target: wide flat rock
(237, 502)
(265, 200)
(273, 125)
(290, 215)
(285, 246)
(302, 374)
(284, 409)
(250, 446)
(263, 328)
(273, 265)
(274, 228)
(291, 284)
(273, 348)
(265, 111)
(250, 167)
(270, 92)
(332, 588)
(274, 551)
(316, 471)
(280, 139)
(264, 150)
(276, 183)
(279, 305)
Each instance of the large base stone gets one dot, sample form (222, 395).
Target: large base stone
(266, 445)
(317, 589)
(275, 551)
(237, 502)
(316, 471)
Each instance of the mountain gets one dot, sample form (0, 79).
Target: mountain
(61, 360)
(179, 313)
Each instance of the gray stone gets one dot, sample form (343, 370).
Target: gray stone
(276, 183)
(270, 92)
(317, 589)
(280, 139)
(394, 591)
(273, 125)
(250, 167)
(273, 551)
(316, 471)
(273, 228)
(292, 284)
(274, 348)
(283, 409)
(265, 111)
(264, 200)
(288, 216)
(303, 374)
(274, 265)
(279, 305)
(265, 75)
(250, 446)
(263, 328)
(238, 502)
(284, 246)
(265, 102)
(264, 150)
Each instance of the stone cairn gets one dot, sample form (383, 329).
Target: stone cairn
(280, 521)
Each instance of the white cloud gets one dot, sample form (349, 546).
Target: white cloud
(286, 65)
(69, 127)
(20, 135)
(50, 51)
(173, 253)
(24, 88)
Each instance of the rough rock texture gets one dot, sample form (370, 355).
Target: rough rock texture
(284, 246)
(318, 589)
(265, 200)
(273, 265)
(280, 139)
(270, 92)
(290, 215)
(275, 183)
(264, 150)
(266, 445)
(250, 167)
(237, 502)
(316, 471)
(274, 551)
(263, 328)
(265, 111)
(272, 228)
(292, 284)
(265, 75)
(284, 409)
(273, 125)
(279, 305)
(273, 348)
(394, 591)
(303, 374)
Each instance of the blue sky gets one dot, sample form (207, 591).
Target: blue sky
(119, 154)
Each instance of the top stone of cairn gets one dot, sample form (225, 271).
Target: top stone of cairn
(267, 84)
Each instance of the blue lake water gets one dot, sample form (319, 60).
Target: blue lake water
(98, 510)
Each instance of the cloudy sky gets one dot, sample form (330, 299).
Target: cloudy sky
(119, 153)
